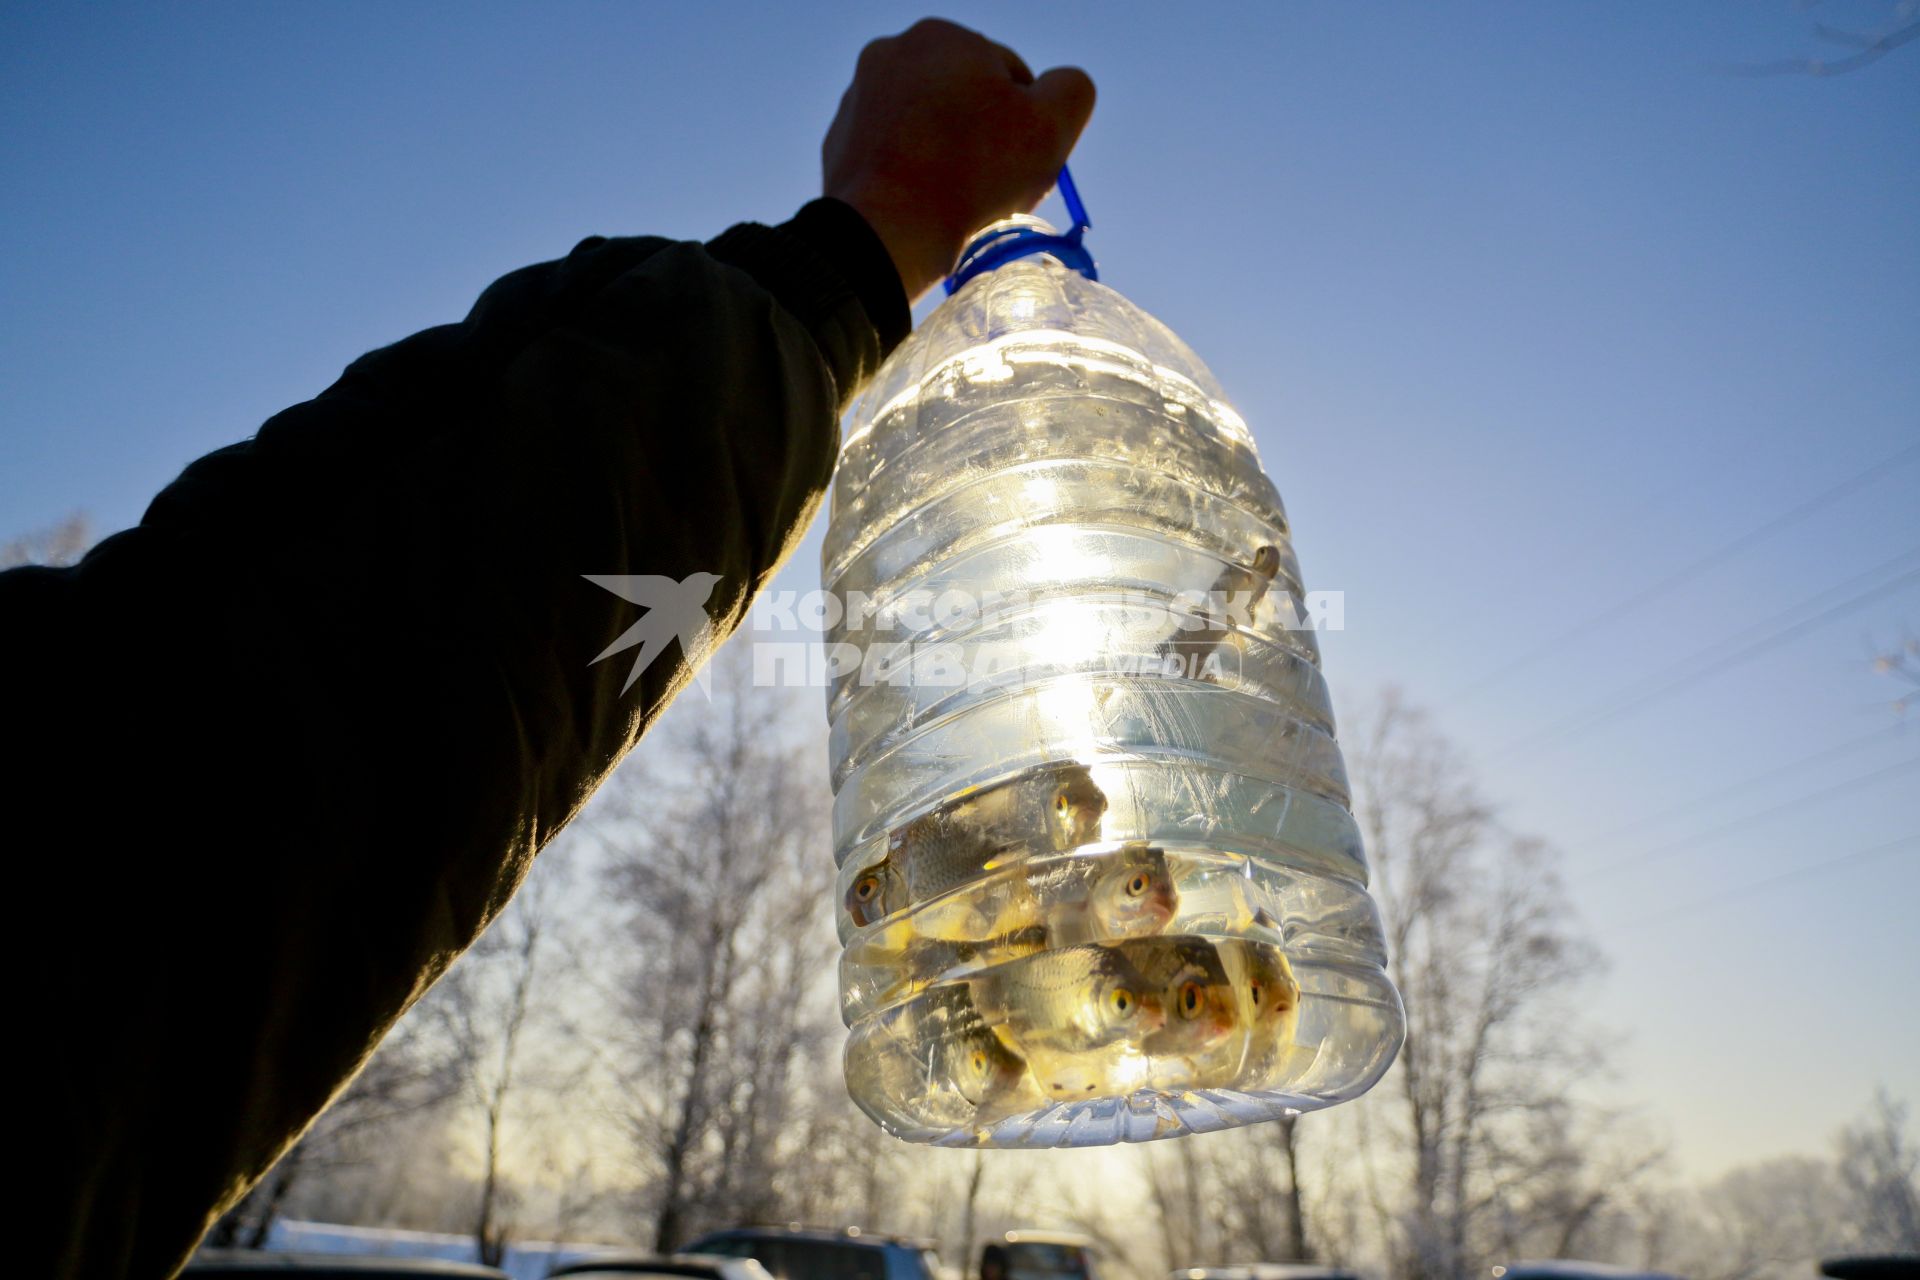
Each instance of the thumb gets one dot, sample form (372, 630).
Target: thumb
(1065, 98)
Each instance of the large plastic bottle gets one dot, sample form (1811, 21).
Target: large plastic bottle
(1098, 877)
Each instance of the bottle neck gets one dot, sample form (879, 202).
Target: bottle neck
(1020, 236)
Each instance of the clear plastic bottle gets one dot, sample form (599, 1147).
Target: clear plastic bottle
(1099, 880)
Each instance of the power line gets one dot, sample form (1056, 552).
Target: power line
(1716, 659)
(1761, 886)
(1694, 568)
(1747, 820)
(1778, 771)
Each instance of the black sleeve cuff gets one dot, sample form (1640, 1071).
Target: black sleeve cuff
(840, 260)
(839, 234)
(831, 272)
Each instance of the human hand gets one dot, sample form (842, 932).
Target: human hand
(941, 132)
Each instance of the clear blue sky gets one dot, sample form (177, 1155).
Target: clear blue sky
(1531, 305)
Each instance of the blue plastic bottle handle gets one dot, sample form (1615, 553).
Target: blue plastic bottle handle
(1001, 247)
(1075, 210)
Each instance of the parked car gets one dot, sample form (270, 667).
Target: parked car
(256, 1264)
(1884, 1266)
(1560, 1270)
(821, 1253)
(638, 1266)
(1040, 1255)
(1266, 1271)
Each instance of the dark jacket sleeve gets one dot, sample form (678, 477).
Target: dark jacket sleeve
(291, 742)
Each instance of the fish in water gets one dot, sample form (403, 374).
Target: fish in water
(1234, 595)
(1073, 1015)
(944, 1064)
(1064, 902)
(1270, 997)
(1202, 1009)
(1047, 809)
(1128, 893)
(932, 959)
(968, 1058)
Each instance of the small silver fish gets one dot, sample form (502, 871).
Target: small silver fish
(969, 1058)
(1202, 1010)
(1238, 591)
(1128, 893)
(1047, 809)
(1076, 1016)
(1134, 893)
(1070, 1002)
(1271, 1004)
(933, 959)
(1085, 899)
(1273, 993)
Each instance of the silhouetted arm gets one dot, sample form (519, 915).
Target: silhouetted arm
(285, 747)
(296, 737)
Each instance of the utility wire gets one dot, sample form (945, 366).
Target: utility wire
(1717, 659)
(1748, 820)
(1778, 771)
(1693, 569)
(1761, 886)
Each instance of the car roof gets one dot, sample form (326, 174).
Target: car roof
(838, 1235)
(1023, 1236)
(1564, 1270)
(236, 1263)
(1884, 1266)
(679, 1264)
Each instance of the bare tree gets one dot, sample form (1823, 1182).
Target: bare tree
(1217, 1195)
(1184, 1182)
(1485, 952)
(399, 1082)
(1774, 1219)
(483, 1017)
(717, 853)
(1569, 1184)
(58, 544)
(1876, 1166)
(970, 1207)
(1766, 1220)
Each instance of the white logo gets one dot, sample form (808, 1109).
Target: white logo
(673, 609)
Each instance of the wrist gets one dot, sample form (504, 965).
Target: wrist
(922, 252)
(843, 237)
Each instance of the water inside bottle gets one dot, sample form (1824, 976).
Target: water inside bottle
(1098, 876)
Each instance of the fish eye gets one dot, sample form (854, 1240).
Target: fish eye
(978, 1060)
(1137, 884)
(1255, 990)
(866, 887)
(1060, 802)
(1121, 1000)
(1191, 998)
